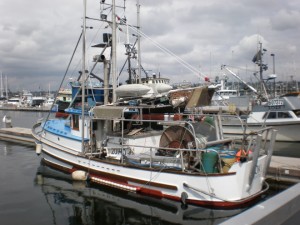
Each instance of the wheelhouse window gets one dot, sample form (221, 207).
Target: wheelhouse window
(297, 113)
(277, 115)
(75, 122)
(270, 115)
(284, 115)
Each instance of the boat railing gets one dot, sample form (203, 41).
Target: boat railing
(211, 159)
(36, 129)
(192, 147)
(267, 133)
(183, 159)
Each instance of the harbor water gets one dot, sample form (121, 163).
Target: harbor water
(32, 193)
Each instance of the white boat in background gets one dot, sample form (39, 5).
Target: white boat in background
(15, 101)
(222, 94)
(50, 104)
(38, 101)
(282, 113)
(150, 150)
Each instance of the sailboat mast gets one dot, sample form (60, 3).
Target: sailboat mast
(83, 76)
(6, 88)
(1, 84)
(114, 51)
(139, 40)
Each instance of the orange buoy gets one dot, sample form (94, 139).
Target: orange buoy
(240, 155)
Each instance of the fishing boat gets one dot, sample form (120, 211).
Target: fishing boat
(149, 149)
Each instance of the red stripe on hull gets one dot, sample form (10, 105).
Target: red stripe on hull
(155, 193)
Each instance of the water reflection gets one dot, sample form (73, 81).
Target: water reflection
(89, 204)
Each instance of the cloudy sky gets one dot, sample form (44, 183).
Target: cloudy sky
(38, 37)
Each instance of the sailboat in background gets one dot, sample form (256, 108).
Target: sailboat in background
(3, 98)
(149, 149)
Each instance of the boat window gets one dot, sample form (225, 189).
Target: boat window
(284, 115)
(75, 122)
(297, 113)
(271, 115)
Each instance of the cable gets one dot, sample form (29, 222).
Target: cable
(63, 79)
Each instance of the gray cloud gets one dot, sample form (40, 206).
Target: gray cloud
(36, 43)
(286, 19)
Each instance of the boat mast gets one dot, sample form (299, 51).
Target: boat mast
(139, 41)
(83, 76)
(6, 92)
(114, 51)
(1, 84)
(261, 68)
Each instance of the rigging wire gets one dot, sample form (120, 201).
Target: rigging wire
(61, 83)
(164, 49)
(241, 68)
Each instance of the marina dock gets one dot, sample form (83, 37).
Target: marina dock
(284, 169)
(17, 134)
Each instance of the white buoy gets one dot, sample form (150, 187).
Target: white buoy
(79, 175)
(38, 148)
(7, 121)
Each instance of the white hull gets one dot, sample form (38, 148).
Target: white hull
(288, 132)
(230, 188)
